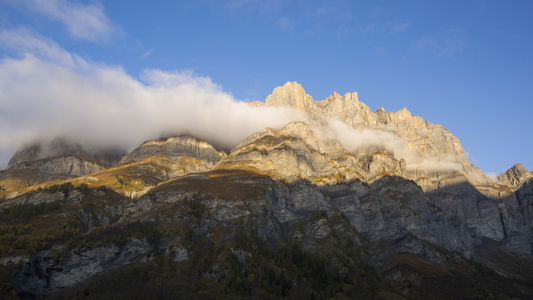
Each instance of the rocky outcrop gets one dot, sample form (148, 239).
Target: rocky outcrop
(172, 157)
(515, 176)
(61, 156)
(176, 147)
(61, 147)
(46, 274)
(292, 153)
(70, 165)
(25, 153)
(66, 165)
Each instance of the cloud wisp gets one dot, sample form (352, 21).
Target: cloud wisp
(83, 21)
(49, 92)
(364, 140)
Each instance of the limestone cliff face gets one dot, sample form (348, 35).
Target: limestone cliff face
(472, 206)
(176, 147)
(62, 156)
(447, 210)
(60, 147)
(25, 153)
(291, 94)
(427, 148)
(515, 176)
(172, 157)
(69, 165)
(295, 152)
(291, 153)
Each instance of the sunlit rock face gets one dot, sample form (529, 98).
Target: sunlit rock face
(176, 147)
(429, 150)
(290, 153)
(174, 156)
(515, 176)
(345, 140)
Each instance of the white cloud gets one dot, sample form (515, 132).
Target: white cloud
(45, 91)
(493, 176)
(83, 21)
(50, 92)
(360, 141)
(23, 41)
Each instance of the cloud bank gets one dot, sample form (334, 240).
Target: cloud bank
(49, 92)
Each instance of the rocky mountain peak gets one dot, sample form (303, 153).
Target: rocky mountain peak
(61, 147)
(25, 153)
(41, 149)
(61, 156)
(290, 94)
(426, 148)
(347, 109)
(515, 176)
(176, 147)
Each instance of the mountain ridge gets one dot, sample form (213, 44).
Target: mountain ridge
(426, 147)
(336, 193)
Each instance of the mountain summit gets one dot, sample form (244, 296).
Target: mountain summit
(340, 202)
(427, 149)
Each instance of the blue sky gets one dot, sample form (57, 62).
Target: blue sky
(467, 65)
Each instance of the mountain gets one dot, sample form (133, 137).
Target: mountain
(427, 148)
(58, 159)
(63, 147)
(515, 176)
(343, 202)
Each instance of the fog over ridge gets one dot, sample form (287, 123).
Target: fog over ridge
(357, 140)
(49, 92)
